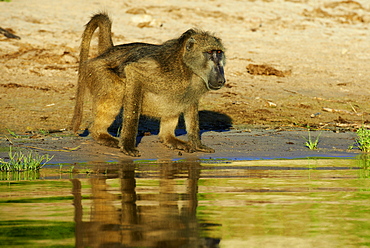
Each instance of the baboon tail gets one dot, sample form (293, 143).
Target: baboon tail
(77, 115)
(105, 41)
(102, 21)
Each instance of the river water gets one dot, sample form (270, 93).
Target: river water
(262, 203)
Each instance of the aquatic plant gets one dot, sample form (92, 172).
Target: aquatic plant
(312, 144)
(363, 139)
(21, 161)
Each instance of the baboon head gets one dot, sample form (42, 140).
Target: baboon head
(204, 54)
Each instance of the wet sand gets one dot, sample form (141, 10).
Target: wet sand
(243, 144)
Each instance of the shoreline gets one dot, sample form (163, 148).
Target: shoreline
(234, 145)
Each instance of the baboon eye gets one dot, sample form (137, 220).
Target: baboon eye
(217, 51)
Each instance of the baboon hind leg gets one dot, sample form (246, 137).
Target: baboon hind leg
(131, 114)
(105, 112)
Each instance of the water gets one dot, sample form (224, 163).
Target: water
(268, 203)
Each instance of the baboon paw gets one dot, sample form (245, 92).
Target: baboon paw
(111, 143)
(130, 152)
(189, 150)
(186, 148)
(180, 146)
(107, 140)
(176, 144)
(204, 148)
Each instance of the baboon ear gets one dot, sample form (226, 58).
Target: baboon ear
(190, 43)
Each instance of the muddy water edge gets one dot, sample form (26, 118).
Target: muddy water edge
(184, 203)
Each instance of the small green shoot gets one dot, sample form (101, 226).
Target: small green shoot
(363, 139)
(13, 134)
(310, 143)
(44, 132)
(20, 161)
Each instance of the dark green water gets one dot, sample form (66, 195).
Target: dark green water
(271, 203)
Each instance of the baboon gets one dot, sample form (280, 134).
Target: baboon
(160, 81)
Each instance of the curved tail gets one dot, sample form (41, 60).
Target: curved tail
(102, 21)
(105, 36)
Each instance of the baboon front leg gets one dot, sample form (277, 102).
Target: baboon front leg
(167, 137)
(192, 127)
(105, 111)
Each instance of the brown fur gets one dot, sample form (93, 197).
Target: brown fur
(162, 81)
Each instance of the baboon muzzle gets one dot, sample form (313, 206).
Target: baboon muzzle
(217, 78)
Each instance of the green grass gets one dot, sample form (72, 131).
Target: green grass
(363, 139)
(22, 161)
(44, 132)
(13, 134)
(310, 143)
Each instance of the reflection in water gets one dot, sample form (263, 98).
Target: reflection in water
(19, 175)
(166, 218)
(272, 203)
(364, 165)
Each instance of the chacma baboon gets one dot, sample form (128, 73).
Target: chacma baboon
(162, 81)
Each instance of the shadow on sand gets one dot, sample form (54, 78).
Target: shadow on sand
(208, 121)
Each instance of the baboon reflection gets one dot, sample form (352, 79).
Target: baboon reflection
(164, 217)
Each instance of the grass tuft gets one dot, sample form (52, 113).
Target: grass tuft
(363, 139)
(20, 161)
(310, 143)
